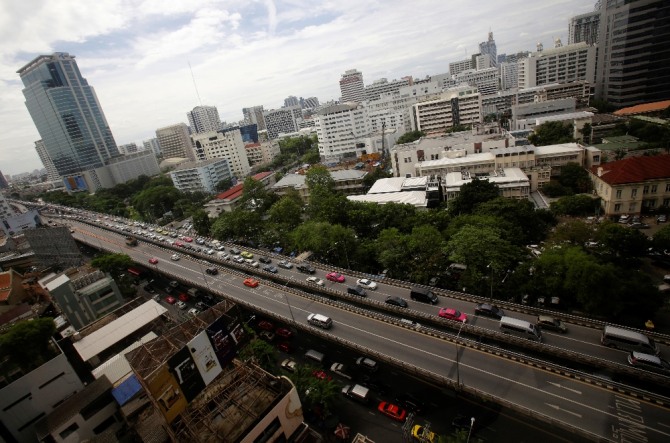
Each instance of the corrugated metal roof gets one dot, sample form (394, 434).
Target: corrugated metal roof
(117, 367)
(643, 108)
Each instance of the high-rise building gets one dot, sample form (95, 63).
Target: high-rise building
(152, 145)
(175, 141)
(456, 106)
(281, 121)
(351, 86)
(310, 103)
(52, 172)
(67, 113)
(228, 145)
(486, 80)
(201, 176)
(341, 131)
(633, 52)
(291, 101)
(489, 48)
(459, 66)
(254, 115)
(584, 28)
(204, 119)
(382, 86)
(561, 64)
(128, 148)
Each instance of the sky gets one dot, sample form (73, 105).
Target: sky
(243, 53)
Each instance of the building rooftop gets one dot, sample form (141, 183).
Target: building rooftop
(237, 190)
(118, 367)
(397, 184)
(470, 158)
(634, 170)
(298, 180)
(561, 148)
(414, 198)
(507, 178)
(561, 117)
(644, 108)
(6, 284)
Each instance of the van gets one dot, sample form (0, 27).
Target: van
(627, 340)
(520, 328)
(356, 290)
(357, 392)
(315, 355)
(424, 295)
(319, 320)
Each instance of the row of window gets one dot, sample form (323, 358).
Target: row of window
(647, 189)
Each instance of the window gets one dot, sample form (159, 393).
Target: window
(645, 190)
(667, 187)
(633, 192)
(617, 207)
(654, 188)
(69, 430)
(618, 193)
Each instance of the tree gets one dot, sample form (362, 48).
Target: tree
(318, 177)
(201, 222)
(286, 213)
(255, 196)
(113, 264)
(472, 194)
(551, 133)
(522, 216)
(661, 239)
(237, 225)
(27, 343)
(575, 205)
(575, 177)
(621, 242)
(587, 133)
(555, 189)
(392, 247)
(375, 175)
(409, 137)
(224, 184)
(574, 231)
(260, 352)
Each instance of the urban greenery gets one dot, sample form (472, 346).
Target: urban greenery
(551, 133)
(409, 137)
(27, 344)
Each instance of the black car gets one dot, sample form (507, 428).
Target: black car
(270, 268)
(410, 402)
(488, 310)
(307, 269)
(264, 260)
(212, 271)
(396, 301)
(235, 251)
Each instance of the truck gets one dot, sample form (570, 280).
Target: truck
(131, 241)
(357, 392)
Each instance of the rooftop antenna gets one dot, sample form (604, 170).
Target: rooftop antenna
(194, 84)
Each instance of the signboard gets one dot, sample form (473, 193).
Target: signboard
(205, 359)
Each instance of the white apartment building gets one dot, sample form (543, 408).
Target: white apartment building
(562, 64)
(351, 86)
(202, 176)
(175, 141)
(128, 148)
(459, 66)
(509, 73)
(152, 145)
(129, 167)
(228, 145)
(524, 115)
(261, 153)
(484, 61)
(502, 101)
(204, 119)
(512, 182)
(383, 86)
(52, 172)
(456, 106)
(486, 80)
(281, 121)
(341, 130)
(254, 115)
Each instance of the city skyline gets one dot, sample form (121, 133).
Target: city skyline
(244, 54)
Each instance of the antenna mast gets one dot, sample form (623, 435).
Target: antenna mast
(194, 84)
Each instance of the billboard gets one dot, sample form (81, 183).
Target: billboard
(75, 183)
(202, 353)
(183, 368)
(164, 388)
(223, 340)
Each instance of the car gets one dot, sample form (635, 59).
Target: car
(452, 314)
(193, 312)
(170, 300)
(393, 411)
(270, 268)
(188, 239)
(212, 271)
(305, 268)
(335, 276)
(367, 363)
(648, 362)
(662, 218)
(321, 375)
(183, 297)
(551, 324)
(178, 243)
(200, 241)
(153, 260)
(396, 301)
(264, 260)
(181, 305)
(284, 333)
(367, 284)
(210, 252)
(422, 434)
(340, 369)
(252, 263)
(175, 257)
(489, 310)
(202, 306)
(267, 335)
(410, 402)
(156, 297)
(285, 347)
(235, 251)
(315, 281)
(285, 264)
(252, 283)
(246, 254)
(638, 225)
(289, 365)
(266, 325)
(238, 259)
(223, 255)
(624, 219)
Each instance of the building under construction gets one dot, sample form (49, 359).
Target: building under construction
(53, 246)
(198, 391)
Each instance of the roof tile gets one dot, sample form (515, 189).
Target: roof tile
(634, 169)
(643, 108)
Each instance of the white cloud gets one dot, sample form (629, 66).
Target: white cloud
(243, 52)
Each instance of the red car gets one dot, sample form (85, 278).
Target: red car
(453, 314)
(171, 300)
(178, 243)
(266, 325)
(183, 297)
(285, 347)
(335, 276)
(321, 375)
(284, 333)
(393, 411)
(250, 282)
(188, 239)
(153, 260)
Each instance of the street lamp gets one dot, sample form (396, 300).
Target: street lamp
(346, 254)
(491, 281)
(472, 423)
(458, 374)
(286, 297)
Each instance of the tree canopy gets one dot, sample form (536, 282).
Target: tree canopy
(472, 194)
(27, 343)
(551, 133)
(410, 136)
(114, 264)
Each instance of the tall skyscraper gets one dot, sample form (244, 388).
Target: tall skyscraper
(152, 145)
(584, 28)
(67, 114)
(291, 100)
(52, 172)
(255, 115)
(351, 86)
(175, 141)
(204, 119)
(633, 52)
(489, 48)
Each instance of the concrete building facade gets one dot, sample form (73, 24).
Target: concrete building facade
(175, 141)
(563, 64)
(254, 115)
(351, 86)
(486, 80)
(340, 130)
(584, 28)
(281, 121)
(152, 145)
(383, 86)
(204, 119)
(459, 66)
(202, 176)
(456, 106)
(228, 145)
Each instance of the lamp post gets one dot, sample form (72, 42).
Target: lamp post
(472, 423)
(287, 302)
(346, 254)
(458, 374)
(491, 281)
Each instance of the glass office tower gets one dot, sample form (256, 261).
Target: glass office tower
(67, 114)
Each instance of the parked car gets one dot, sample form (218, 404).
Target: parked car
(321, 375)
(266, 325)
(170, 300)
(551, 324)
(267, 335)
(285, 264)
(264, 260)
(247, 254)
(250, 282)
(193, 312)
(305, 268)
(452, 314)
(422, 434)
(285, 346)
(335, 276)
(181, 305)
(315, 281)
(183, 297)
(200, 305)
(212, 271)
(396, 301)
(235, 251)
(153, 260)
(393, 411)
(489, 310)
(638, 225)
(238, 259)
(367, 284)
(289, 365)
(284, 333)
(662, 218)
(367, 363)
(270, 268)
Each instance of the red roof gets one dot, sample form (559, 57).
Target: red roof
(5, 285)
(634, 169)
(644, 108)
(252, 145)
(236, 191)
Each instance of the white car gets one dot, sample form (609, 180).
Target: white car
(238, 259)
(367, 284)
(175, 257)
(210, 251)
(193, 312)
(181, 305)
(315, 280)
(251, 262)
(285, 264)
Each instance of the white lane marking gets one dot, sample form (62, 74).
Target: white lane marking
(558, 408)
(558, 385)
